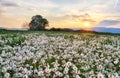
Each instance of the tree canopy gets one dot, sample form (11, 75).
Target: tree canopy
(38, 23)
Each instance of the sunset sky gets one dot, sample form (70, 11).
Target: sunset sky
(61, 13)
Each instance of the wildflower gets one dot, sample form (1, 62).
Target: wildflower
(41, 73)
(66, 70)
(7, 75)
(116, 61)
(68, 64)
(18, 75)
(25, 70)
(25, 76)
(100, 75)
(29, 73)
(110, 75)
(75, 69)
(34, 61)
(47, 70)
(4, 69)
(58, 74)
(116, 75)
(77, 76)
(92, 76)
(66, 76)
(1, 60)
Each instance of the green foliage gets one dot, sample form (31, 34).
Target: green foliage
(0, 50)
(1, 73)
(38, 23)
(107, 42)
(29, 61)
(50, 61)
(15, 41)
(11, 72)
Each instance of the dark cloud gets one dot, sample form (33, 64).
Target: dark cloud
(10, 4)
(74, 16)
(79, 16)
(90, 20)
(83, 18)
(108, 23)
(4, 4)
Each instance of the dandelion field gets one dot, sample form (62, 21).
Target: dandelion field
(52, 54)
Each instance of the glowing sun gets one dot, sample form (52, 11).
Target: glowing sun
(87, 24)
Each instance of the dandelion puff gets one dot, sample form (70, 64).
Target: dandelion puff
(4, 69)
(40, 73)
(25, 76)
(116, 61)
(59, 74)
(100, 75)
(67, 76)
(77, 76)
(116, 75)
(66, 70)
(7, 75)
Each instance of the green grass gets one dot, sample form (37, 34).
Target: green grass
(51, 32)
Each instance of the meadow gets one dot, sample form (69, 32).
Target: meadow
(55, 54)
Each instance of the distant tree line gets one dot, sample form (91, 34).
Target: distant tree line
(70, 30)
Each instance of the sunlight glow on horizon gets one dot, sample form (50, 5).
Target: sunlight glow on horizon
(87, 24)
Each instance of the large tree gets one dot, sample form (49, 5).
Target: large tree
(38, 23)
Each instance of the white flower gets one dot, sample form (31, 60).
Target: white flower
(47, 70)
(67, 76)
(4, 69)
(75, 69)
(34, 61)
(35, 70)
(25, 76)
(18, 75)
(68, 64)
(25, 70)
(116, 61)
(100, 75)
(59, 74)
(29, 73)
(1, 60)
(19, 57)
(40, 73)
(93, 76)
(100, 67)
(110, 75)
(116, 75)
(66, 70)
(21, 68)
(31, 67)
(7, 75)
(77, 76)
